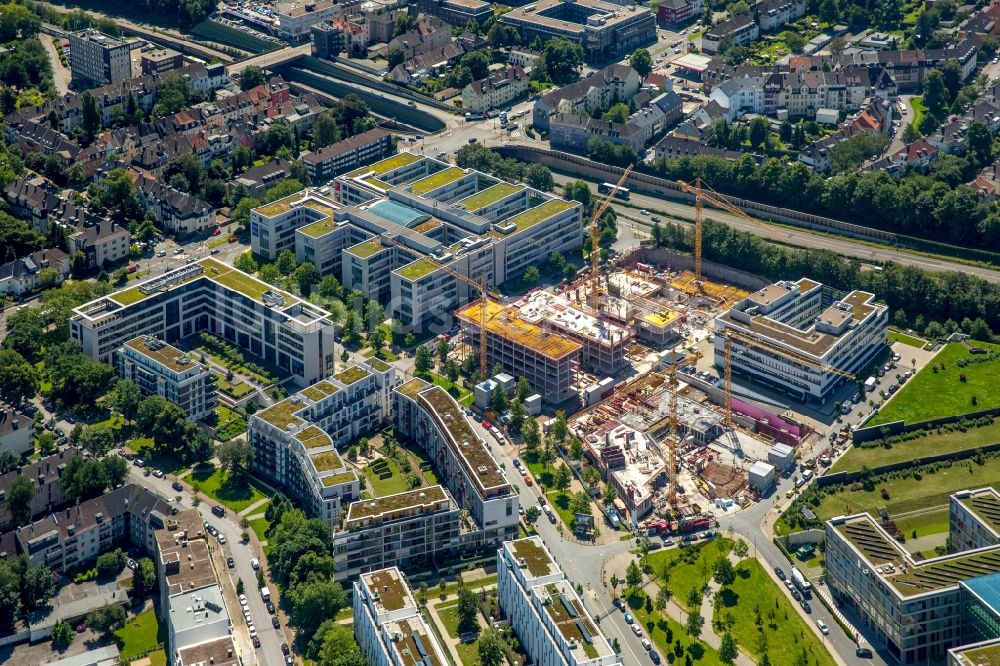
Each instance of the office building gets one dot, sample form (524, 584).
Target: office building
(974, 519)
(605, 31)
(917, 609)
(293, 18)
(544, 610)
(207, 295)
(388, 625)
(430, 417)
(457, 12)
(295, 441)
(333, 160)
(160, 61)
(675, 12)
(523, 348)
(161, 369)
(806, 337)
(97, 59)
(327, 40)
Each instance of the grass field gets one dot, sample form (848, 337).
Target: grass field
(390, 486)
(932, 394)
(259, 527)
(669, 636)
(786, 631)
(140, 635)
(467, 652)
(907, 494)
(924, 524)
(559, 499)
(896, 336)
(917, 107)
(930, 444)
(688, 566)
(213, 482)
(460, 393)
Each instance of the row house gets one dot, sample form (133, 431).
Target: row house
(23, 276)
(429, 63)
(428, 34)
(38, 202)
(175, 210)
(497, 90)
(592, 95)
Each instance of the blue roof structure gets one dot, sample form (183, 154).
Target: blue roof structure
(987, 588)
(398, 213)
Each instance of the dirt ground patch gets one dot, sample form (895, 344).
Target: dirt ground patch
(728, 481)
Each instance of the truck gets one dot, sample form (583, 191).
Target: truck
(805, 587)
(265, 593)
(870, 384)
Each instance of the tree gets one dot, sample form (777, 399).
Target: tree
(107, 620)
(111, 563)
(337, 646)
(662, 597)
(306, 275)
(398, 57)
(478, 63)
(422, 360)
(452, 370)
(326, 131)
(523, 389)
(618, 113)
(312, 602)
(143, 578)
(91, 116)
(725, 574)
(530, 435)
(759, 129)
(633, 576)
(578, 190)
(235, 457)
(562, 477)
(532, 514)
(62, 635)
(642, 62)
(498, 399)
(530, 275)
(490, 650)
(693, 625)
(467, 609)
(580, 503)
(115, 470)
(124, 398)
(609, 495)
(22, 491)
(562, 59)
(741, 549)
(935, 94)
(38, 584)
(442, 351)
(98, 439)
(727, 650)
(173, 95)
(18, 378)
(539, 177)
(251, 77)
(850, 153)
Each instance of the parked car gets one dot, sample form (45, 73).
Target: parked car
(176, 485)
(617, 603)
(628, 618)
(274, 622)
(222, 538)
(130, 563)
(218, 510)
(158, 473)
(806, 607)
(796, 595)
(779, 572)
(636, 630)
(254, 563)
(654, 656)
(230, 562)
(825, 630)
(865, 653)
(646, 645)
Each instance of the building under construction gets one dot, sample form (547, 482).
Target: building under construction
(546, 359)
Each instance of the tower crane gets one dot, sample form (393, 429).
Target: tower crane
(595, 238)
(480, 286)
(674, 436)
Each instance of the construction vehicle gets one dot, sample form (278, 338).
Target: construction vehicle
(595, 239)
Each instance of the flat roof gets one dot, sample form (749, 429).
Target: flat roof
(436, 180)
(985, 504)
(507, 324)
(282, 414)
(393, 592)
(350, 375)
(326, 461)
(366, 249)
(418, 269)
(369, 508)
(536, 558)
(986, 655)
(568, 614)
(533, 13)
(414, 647)
(317, 229)
(389, 164)
(533, 216)
(987, 588)
(313, 438)
(320, 390)
(167, 355)
(490, 196)
(412, 388)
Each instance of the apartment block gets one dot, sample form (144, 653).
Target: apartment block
(593, 95)
(737, 31)
(210, 296)
(457, 12)
(676, 12)
(104, 243)
(804, 335)
(974, 519)
(45, 475)
(295, 441)
(544, 610)
(161, 369)
(430, 417)
(97, 59)
(388, 625)
(917, 610)
(772, 14)
(333, 160)
(495, 91)
(524, 349)
(17, 432)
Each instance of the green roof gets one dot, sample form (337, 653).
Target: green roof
(351, 375)
(282, 415)
(412, 388)
(129, 296)
(326, 461)
(987, 655)
(434, 181)
(317, 229)
(314, 438)
(391, 591)
(535, 557)
(337, 479)
(533, 216)
(418, 269)
(390, 163)
(319, 390)
(491, 195)
(366, 249)
(399, 501)
(378, 364)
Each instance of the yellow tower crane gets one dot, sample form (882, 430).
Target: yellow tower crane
(674, 437)
(595, 239)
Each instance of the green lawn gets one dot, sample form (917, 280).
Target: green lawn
(931, 443)
(559, 499)
(213, 483)
(259, 527)
(907, 494)
(235, 390)
(459, 393)
(467, 652)
(786, 631)
(917, 107)
(896, 336)
(933, 394)
(140, 635)
(228, 424)
(390, 486)
(669, 636)
(687, 566)
(925, 524)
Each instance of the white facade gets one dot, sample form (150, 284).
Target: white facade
(160, 369)
(17, 433)
(198, 616)
(543, 609)
(739, 97)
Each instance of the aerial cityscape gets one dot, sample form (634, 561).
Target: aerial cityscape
(457, 333)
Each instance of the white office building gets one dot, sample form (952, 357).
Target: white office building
(544, 610)
(161, 369)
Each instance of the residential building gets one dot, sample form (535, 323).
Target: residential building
(381, 25)
(544, 610)
(72, 537)
(327, 40)
(45, 473)
(293, 18)
(427, 34)
(176, 211)
(524, 349)
(604, 30)
(494, 91)
(97, 59)
(737, 31)
(388, 625)
(17, 433)
(739, 96)
(593, 95)
(295, 441)
(104, 243)
(572, 132)
(432, 62)
(431, 418)
(772, 14)
(802, 338)
(160, 61)
(207, 295)
(161, 369)
(259, 179)
(676, 12)
(919, 610)
(24, 275)
(673, 147)
(457, 12)
(330, 161)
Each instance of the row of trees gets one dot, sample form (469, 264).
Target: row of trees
(23, 587)
(479, 157)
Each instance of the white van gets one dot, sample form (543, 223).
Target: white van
(806, 475)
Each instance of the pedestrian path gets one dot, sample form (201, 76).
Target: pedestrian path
(256, 505)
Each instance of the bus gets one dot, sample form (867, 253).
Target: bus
(606, 188)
